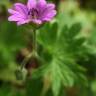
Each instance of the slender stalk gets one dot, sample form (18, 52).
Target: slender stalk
(34, 51)
(34, 42)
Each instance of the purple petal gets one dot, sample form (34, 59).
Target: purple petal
(11, 11)
(14, 18)
(50, 6)
(46, 19)
(49, 16)
(22, 22)
(31, 4)
(48, 10)
(21, 8)
(37, 21)
(17, 14)
(41, 3)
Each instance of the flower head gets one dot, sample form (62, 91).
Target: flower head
(36, 11)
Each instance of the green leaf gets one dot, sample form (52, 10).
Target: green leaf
(47, 34)
(64, 51)
(93, 86)
(74, 30)
(56, 79)
(12, 39)
(49, 93)
(34, 87)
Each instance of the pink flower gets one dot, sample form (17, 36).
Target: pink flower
(36, 11)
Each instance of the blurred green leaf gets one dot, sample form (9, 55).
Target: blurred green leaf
(12, 39)
(34, 87)
(48, 34)
(64, 52)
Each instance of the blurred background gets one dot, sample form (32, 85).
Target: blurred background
(15, 45)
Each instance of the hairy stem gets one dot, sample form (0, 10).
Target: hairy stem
(34, 50)
(34, 42)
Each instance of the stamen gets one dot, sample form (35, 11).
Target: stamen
(33, 12)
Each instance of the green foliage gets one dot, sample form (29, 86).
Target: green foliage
(9, 36)
(64, 49)
(34, 87)
(67, 56)
(91, 44)
(6, 89)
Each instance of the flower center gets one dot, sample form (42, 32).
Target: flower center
(33, 13)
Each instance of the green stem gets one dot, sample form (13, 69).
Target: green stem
(34, 51)
(34, 43)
